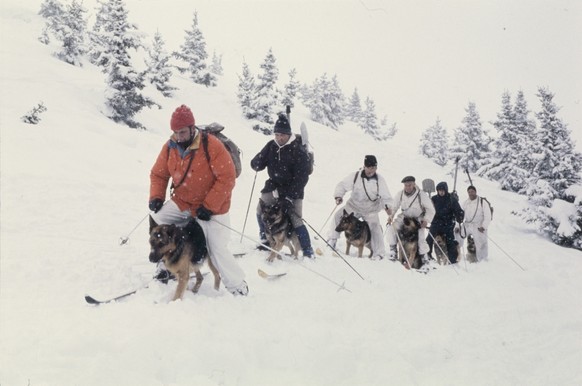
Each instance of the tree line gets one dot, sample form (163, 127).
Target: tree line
(538, 160)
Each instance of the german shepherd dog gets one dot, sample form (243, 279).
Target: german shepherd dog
(408, 246)
(440, 249)
(183, 250)
(279, 230)
(357, 233)
(471, 250)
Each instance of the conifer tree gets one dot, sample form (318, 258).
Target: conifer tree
(505, 162)
(246, 93)
(216, 66)
(471, 142)
(291, 89)
(557, 160)
(123, 97)
(369, 121)
(267, 97)
(354, 107)
(434, 143)
(68, 25)
(192, 56)
(159, 70)
(326, 102)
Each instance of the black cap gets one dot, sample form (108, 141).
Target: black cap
(370, 160)
(282, 125)
(408, 179)
(471, 187)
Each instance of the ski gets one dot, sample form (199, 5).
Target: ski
(271, 276)
(92, 300)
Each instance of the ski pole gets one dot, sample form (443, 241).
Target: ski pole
(326, 221)
(305, 221)
(446, 255)
(468, 175)
(340, 286)
(507, 254)
(124, 240)
(248, 207)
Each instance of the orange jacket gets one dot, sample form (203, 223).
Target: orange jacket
(208, 184)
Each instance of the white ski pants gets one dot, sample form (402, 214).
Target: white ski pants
(481, 241)
(217, 238)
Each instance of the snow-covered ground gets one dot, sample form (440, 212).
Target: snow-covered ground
(73, 185)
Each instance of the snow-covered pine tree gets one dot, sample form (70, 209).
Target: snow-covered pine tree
(326, 102)
(471, 142)
(526, 136)
(193, 55)
(159, 70)
(68, 26)
(52, 11)
(369, 121)
(554, 205)
(434, 143)
(505, 163)
(123, 96)
(267, 96)
(246, 93)
(216, 66)
(353, 111)
(291, 89)
(557, 160)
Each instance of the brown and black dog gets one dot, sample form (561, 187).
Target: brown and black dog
(440, 249)
(357, 232)
(408, 245)
(183, 251)
(279, 230)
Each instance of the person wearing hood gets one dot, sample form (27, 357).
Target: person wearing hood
(447, 210)
(287, 164)
(412, 202)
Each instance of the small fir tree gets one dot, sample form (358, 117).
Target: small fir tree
(246, 93)
(434, 143)
(192, 56)
(267, 97)
(159, 71)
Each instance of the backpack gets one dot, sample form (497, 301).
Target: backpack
(488, 203)
(234, 151)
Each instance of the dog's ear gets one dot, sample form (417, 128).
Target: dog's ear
(345, 213)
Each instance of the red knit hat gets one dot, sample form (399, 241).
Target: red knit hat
(182, 117)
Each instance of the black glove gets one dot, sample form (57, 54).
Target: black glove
(203, 214)
(156, 204)
(455, 196)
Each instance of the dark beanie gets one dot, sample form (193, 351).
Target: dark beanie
(370, 160)
(282, 125)
(408, 179)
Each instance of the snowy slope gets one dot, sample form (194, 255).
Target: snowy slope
(74, 184)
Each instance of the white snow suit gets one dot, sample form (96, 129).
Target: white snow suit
(369, 196)
(417, 205)
(478, 215)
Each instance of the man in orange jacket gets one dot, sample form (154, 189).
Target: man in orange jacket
(203, 177)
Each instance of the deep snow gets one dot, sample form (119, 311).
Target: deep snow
(73, 185)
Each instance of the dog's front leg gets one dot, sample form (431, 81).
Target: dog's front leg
(199, 280)
(183, 276)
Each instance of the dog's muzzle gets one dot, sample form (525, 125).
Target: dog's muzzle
(154, 257)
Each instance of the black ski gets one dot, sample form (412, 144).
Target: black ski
(92, 300)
